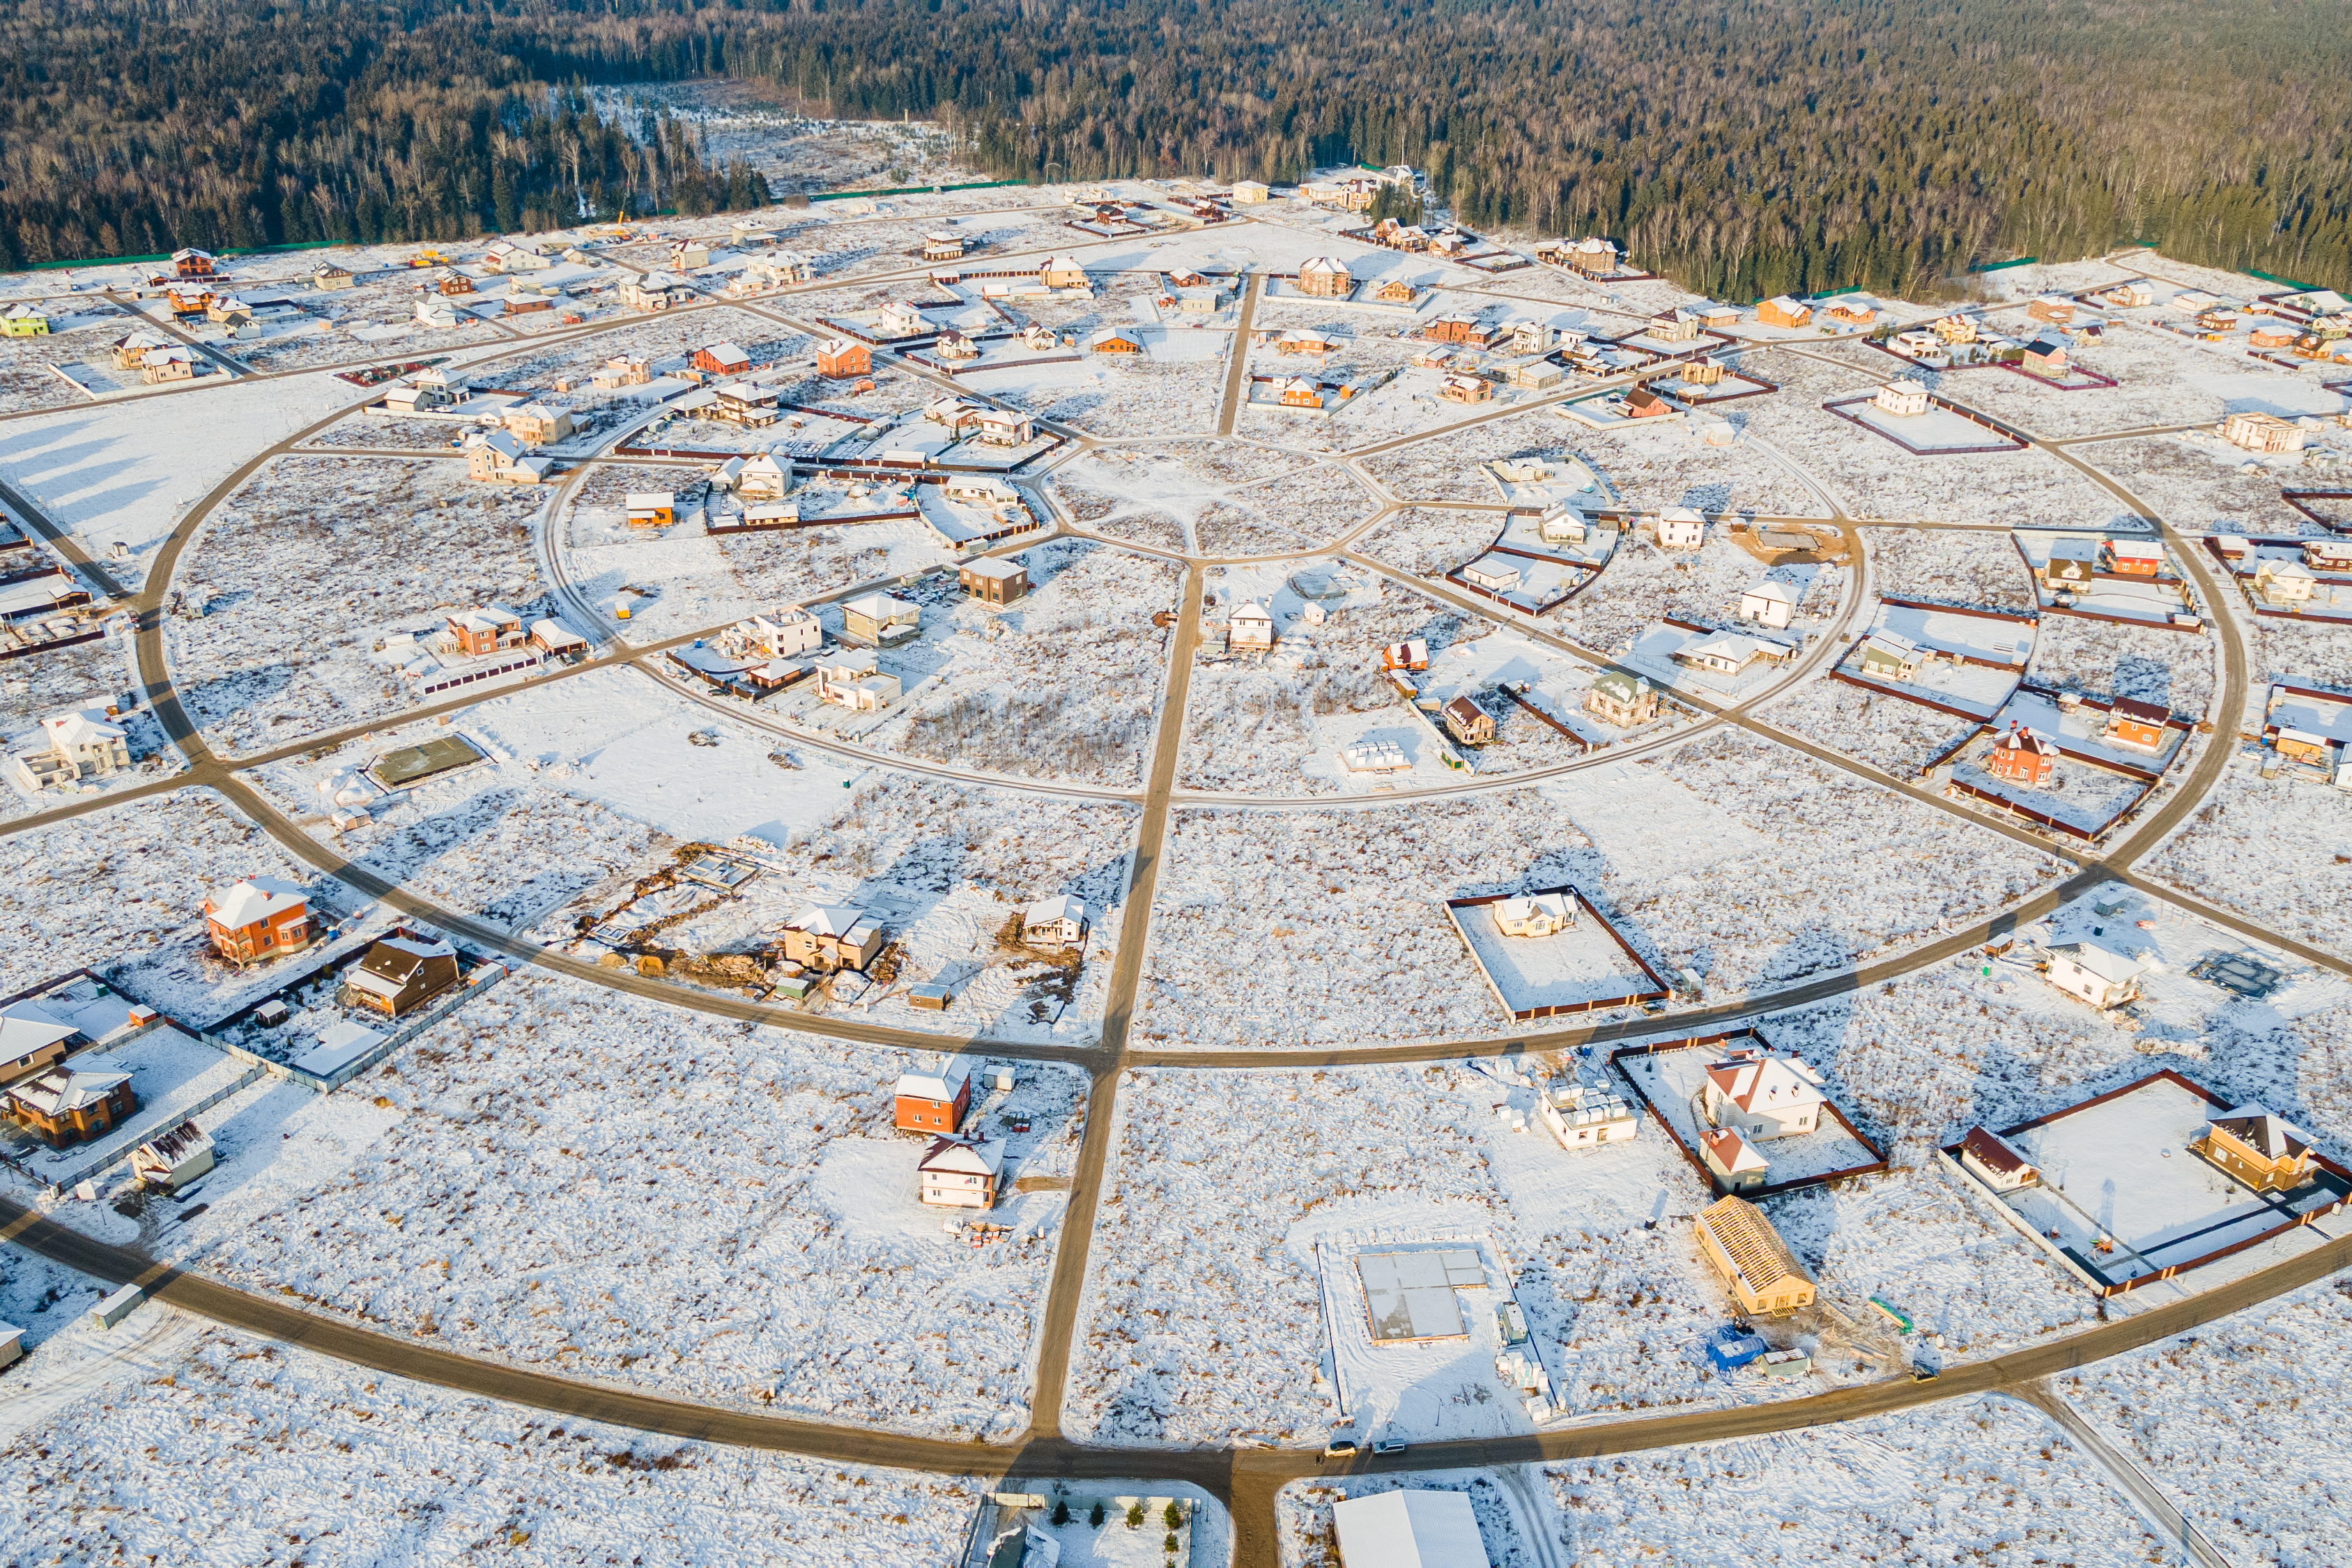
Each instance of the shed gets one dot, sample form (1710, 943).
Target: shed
(1984, 1155)
(174, 1159)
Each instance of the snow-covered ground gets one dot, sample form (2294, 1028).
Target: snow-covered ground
(596, 1185)
(2277, 850)
(216, 1450)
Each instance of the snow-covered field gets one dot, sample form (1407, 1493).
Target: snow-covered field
(220, 1451)
(318, 559)
(2276, 850)
(596, 1185)
(2205, 1415)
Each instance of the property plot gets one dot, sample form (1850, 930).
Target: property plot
(124, 889)
(1964, 568)
(1174, 388)
(1671, 1078)
(2074, 576)
(2127, 1197)
(1551, 952)
(728, 1154)
(1884, 729)
(1460, 467)
(1644, 584)
(1986, 1476)
(1429, 541)
(2145, 663)
(388, 1466)
(384, 545)
(2278, 850)
(2079, 798)
(1937, 431)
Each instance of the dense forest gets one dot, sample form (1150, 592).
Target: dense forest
(1742, 147)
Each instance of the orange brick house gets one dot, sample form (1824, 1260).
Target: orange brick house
(2135, 723)
(259, 918)
(842, 358)
(934, 1099)
(2023, 757)
(73, 1100)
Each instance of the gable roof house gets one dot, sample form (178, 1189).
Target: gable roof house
(2099, 975)
(1059, 921)
(2023, 757)
(33, 1039)
(2265, 1151)
(80, 746)
(1763, 1095)
(882, 619)
(1783, 311)
(1994, 1163)
(399, 974)
(960, 1172)
(1621, 700)
(1769, 602)
(833, 936)
(2140, 725)
(1890, 655)
(842, 358)
(1324, 278)
(1467, 723)
(1732, 1159)
(1420, 1528)
(1534, 914)
(259, 918)
(763, 478)
(934, 1099)
(76, 1100)
(722, 359)
(1249, 627)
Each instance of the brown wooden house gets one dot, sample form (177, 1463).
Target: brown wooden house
(1467, 723)
(2265, 1152)
(399, 974)
(994, 582)
(191, 263)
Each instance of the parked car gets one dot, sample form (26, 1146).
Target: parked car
(1389, 1446)
(1340, 1447)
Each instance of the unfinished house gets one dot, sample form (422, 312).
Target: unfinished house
(831, 937)
(2263, 433)
(2096, 974)
(1324, 278)
(650, 509)
(173, 1160)
(791, 632)
(80, 746)
(1056, 922)
(852, 680)
(1621, 700)
(1784, 311)
(1764, 1275)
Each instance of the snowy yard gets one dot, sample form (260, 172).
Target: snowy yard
(1887, 733)
(1965, 568)
(2275, 850)
(2150, 664)
(2204, 1413)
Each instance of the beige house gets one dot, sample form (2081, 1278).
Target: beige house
(1680, 528)
(2096, 974)
(536, 425)
(1763, 1273)
(831, 937)
(1762, 1096)
(1056, 922)
(1902, 397)
(1534, 914)
(1249, 628)
(763, 478)
(1769, 602)
(1623, 700)
(81, 746)
(960, 1172)
(1732, 1159)
(2284, 582)
(881, 619)
(852, 680)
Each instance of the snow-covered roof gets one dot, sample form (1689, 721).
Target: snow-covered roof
(392, 962)
(1756, 1080)
(1989, 1150)
(177, 1146)
(1893, 643)
(726, 353)
(1321, 264)
(555, 634)
(649, 501)
(882, 607)
(1773, 592)
(1527, 906)
(27, 1027)
(338, 1047)
(254, 899)
(941, 1083)
(72, 1085)
(1060, 907)
(1410, 1529)
(2115, 968)
(1253, 613)
(70, 730)
(1733, 1152)
(839, 920)
(964, 1157)
(2273, 1136)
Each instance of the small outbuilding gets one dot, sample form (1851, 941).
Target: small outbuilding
(173, 1160)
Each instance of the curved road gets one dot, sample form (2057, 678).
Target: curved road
(1246, 1478)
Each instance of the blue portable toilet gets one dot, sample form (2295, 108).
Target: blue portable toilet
(1730, 1348)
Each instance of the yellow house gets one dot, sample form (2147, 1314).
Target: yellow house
(24, 321)
(1763, 1274)
(2265, 1152)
